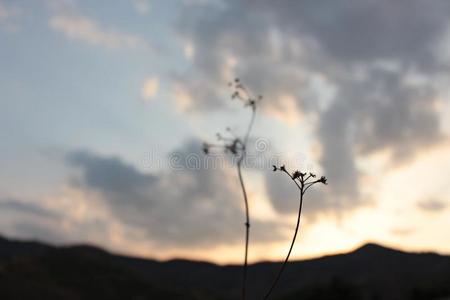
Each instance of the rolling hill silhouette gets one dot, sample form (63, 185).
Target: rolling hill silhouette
(33, 270)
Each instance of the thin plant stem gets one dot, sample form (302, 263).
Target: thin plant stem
(303, 183)
(290, 248)
(238, 147)
(247, 230)
(249, 128)
(247, 210)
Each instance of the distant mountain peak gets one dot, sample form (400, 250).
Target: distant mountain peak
(373, 248)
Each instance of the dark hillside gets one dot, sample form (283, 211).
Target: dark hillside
(31, 270)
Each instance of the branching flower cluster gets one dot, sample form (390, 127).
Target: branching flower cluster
(303, 181)
(241, 93)
(230, 142)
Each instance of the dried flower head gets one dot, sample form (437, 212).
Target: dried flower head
(229, 142)
(240, 92)
(303, 180)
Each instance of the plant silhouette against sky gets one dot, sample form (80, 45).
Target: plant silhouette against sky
(237, 146)
(303, 181)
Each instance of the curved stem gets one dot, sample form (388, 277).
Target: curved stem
(249, 128)
(247, 210)
(247, 228)
(290, 249)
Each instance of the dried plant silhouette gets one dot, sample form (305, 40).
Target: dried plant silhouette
(237, 146)
(303, 181)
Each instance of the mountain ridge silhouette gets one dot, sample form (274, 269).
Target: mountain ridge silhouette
(35, 270)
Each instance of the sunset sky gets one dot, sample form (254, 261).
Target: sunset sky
(105, 105)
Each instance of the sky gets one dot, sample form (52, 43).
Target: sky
(105, 106)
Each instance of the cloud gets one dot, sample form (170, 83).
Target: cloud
(189, 50)
(319, 201)
(378, 113)
(70, 216)
(5, 12)
(34, 220)
(69, 21)
(432, 205)
(142, 6)
(189, 205)
(114, 178)
(150, 88)
(87, 30)
(365, 31)
(194, 205)
(8, 17)
(282, 192)
(442, 50)
(363, 52)
(27, 208)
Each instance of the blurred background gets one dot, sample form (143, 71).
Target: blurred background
(105, 105)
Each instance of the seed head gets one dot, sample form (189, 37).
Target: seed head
(323, 180)
(205, 148)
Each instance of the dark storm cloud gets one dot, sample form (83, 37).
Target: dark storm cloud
(188, 205)
(377, 113)
(363, 31)
(367, 50)
(394, 115)
(280, 187)
(380, 113)
(118, 181)
(276, 44)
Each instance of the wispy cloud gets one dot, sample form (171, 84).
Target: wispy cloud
(76, 26)
(28, 208)
(87, 30)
